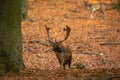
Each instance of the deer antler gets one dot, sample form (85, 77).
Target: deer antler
(47, 30)
(67, 29)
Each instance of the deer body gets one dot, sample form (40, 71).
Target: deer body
(64, 56)
(93, 7)
(63, 53)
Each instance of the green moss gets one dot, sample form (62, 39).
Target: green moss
(12, 68)
(6, 65)
(2, 66)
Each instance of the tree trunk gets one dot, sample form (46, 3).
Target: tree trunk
(117, 5)
(10, 36)
(24, 9)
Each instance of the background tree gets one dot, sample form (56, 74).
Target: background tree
(10, 36)
(24, 9)
(117, 5)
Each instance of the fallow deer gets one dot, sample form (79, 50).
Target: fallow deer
(63, 53)
(93, 7)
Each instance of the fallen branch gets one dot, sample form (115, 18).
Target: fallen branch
(92, 52)
(39, 42)
(118, 30)
(110, 43)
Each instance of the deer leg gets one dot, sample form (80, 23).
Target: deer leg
(62, 67)
(69, 64)
(92, 16)
(103, 15)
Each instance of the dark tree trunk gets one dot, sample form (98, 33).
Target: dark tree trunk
(117, 5)
(10, 36)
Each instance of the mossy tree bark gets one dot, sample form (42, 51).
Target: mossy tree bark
(10, 36)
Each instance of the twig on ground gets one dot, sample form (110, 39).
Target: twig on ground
(37, 41)
(110, 43)
(92, 52)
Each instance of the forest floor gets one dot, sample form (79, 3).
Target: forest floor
(95, 43)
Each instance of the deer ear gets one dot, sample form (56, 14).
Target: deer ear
(59, 43)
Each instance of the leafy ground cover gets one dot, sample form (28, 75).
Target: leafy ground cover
(95, 43)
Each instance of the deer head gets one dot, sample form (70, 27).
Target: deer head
(94, 6)
(56, 45)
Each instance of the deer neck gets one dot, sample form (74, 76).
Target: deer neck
(58, 49)
(87, 5)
